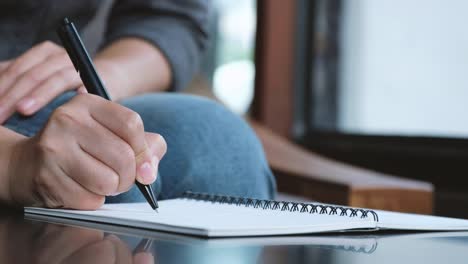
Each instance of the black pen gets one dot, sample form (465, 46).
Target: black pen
(84, 65)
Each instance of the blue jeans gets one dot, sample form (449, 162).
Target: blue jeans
(209, 148)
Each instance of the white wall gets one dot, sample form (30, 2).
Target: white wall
(405, 67)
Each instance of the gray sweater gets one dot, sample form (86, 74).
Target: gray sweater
(177, 27)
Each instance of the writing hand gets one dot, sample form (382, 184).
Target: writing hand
(65, 244)
(90, 148)
(35, 78)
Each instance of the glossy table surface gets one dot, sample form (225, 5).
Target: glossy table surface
(44, 240)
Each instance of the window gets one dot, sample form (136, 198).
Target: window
(234, 70)
(390, 67)
(386, 86)
(404, 67)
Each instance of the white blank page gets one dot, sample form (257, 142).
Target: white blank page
(213, 219)
(390, 220)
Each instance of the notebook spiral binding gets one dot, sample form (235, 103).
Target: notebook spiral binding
(282, 205)
(353, 249)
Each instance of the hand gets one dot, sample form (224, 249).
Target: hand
(65, 244)
(90, 148)
(35, 78)
(108, 250)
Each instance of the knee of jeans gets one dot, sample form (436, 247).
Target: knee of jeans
(210, 149)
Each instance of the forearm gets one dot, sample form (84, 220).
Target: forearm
(133, 66)
(8, 139)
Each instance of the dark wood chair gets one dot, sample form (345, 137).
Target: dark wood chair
(304, 173)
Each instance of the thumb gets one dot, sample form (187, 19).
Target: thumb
(157, 144)
(146, 169)
(158, 147)
(148, 160)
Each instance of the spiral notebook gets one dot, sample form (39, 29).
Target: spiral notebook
(210, 215)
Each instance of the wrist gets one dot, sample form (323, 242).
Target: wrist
(9, 141)
(113, 78)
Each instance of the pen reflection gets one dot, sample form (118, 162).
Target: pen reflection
(36, 242)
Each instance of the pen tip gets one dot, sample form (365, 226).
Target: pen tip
(156, 210)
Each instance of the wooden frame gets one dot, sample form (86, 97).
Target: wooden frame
(274, 58)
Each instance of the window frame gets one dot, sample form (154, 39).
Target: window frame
(440, 160)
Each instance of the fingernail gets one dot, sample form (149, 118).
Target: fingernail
(146, 173)
(27, 104)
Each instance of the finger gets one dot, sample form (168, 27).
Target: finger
(60, 190)
(93, 175)
(34, 77)
(109, 150)
(23, 63)
(102, 251)
(143, 258)
(157, 146)
(53, 246)
(59, 82)
(28, 81)
(123, 253)
(47, 90)
(128, 125)
(4, 65)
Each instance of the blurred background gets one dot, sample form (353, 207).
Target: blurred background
(229, 63)
(377, 84)
(401, 67)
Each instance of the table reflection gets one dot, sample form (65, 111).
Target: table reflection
(32, 241)
(40, 240)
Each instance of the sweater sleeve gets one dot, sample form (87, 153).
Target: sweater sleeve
(179, 28)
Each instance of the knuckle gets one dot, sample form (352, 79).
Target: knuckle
(34, 76)
(47, 147)
(64, 115)
(63, 76)
(107, 184)
(133, 122)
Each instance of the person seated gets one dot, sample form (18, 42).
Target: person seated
(64, 148)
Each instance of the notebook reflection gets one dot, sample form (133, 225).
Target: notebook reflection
(39, 241)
